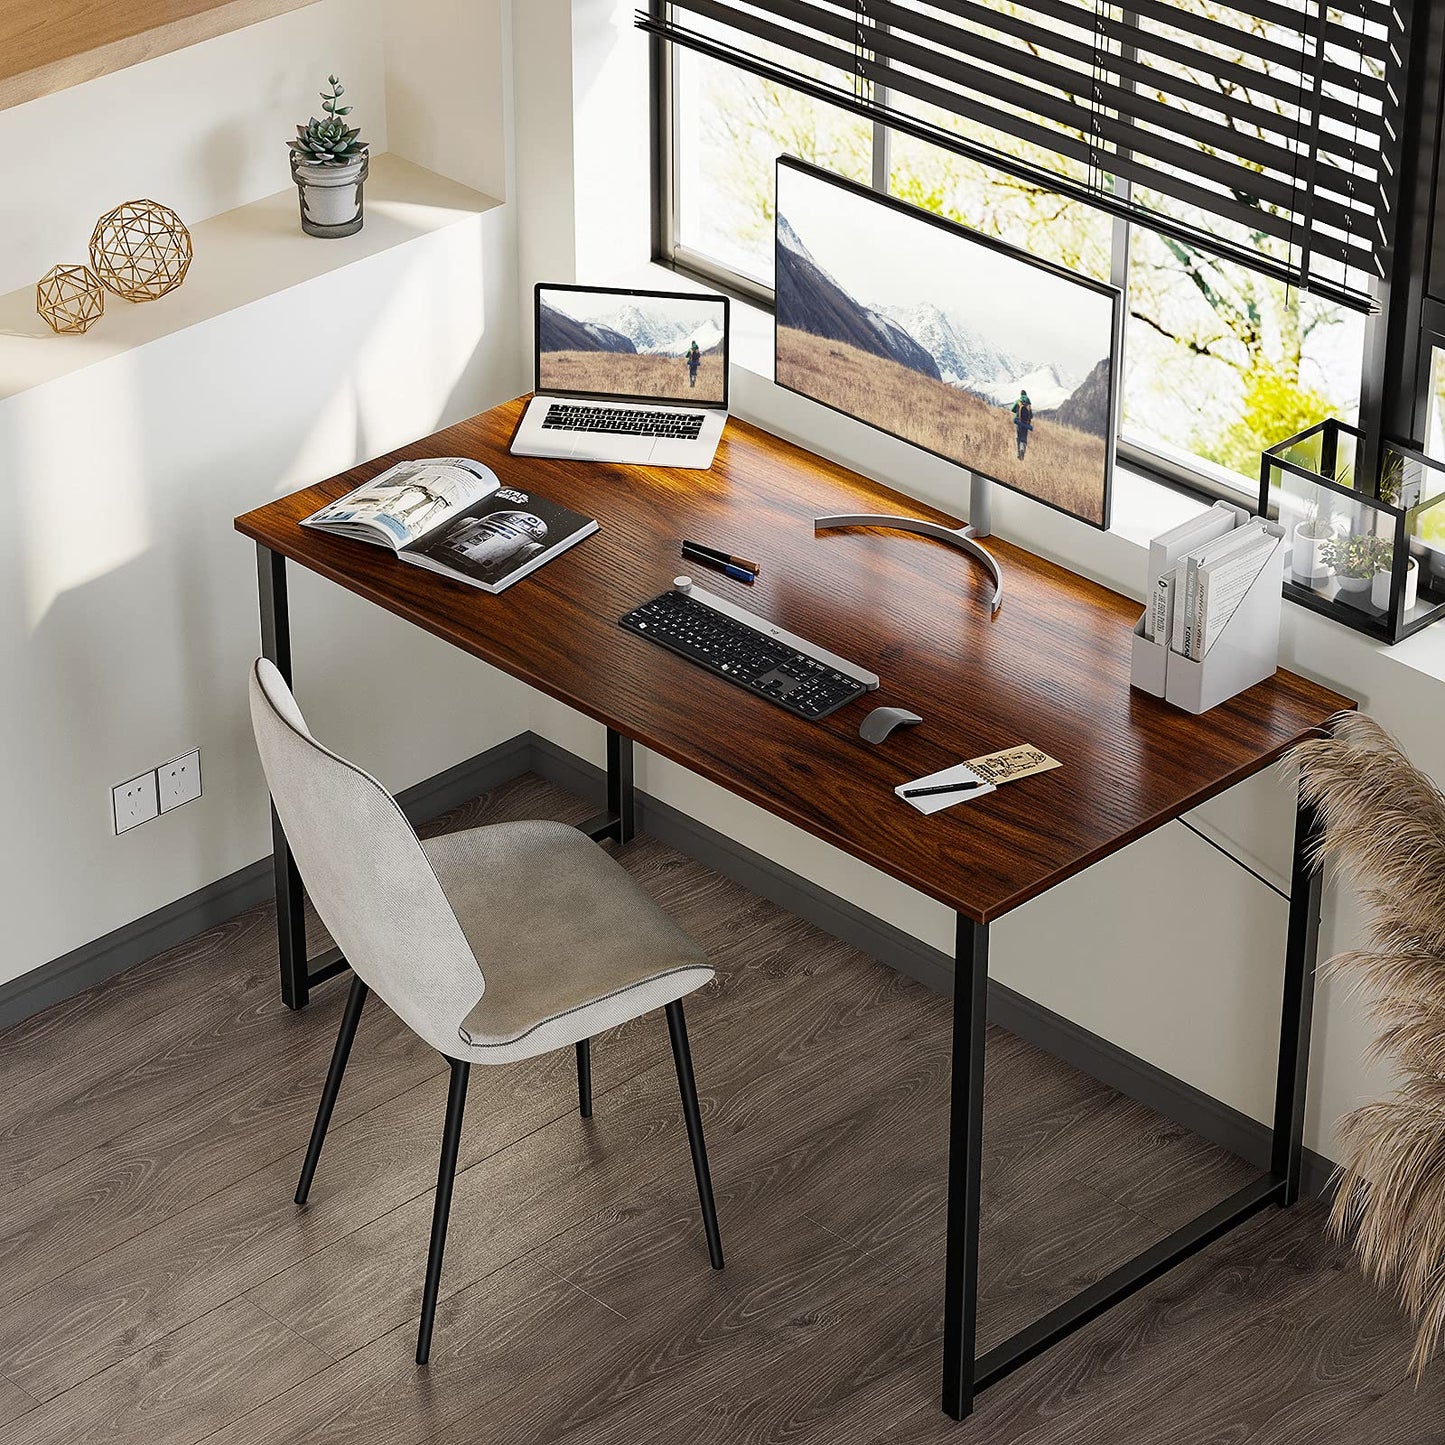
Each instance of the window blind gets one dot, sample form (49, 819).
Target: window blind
(1265, 131)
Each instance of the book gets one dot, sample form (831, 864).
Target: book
(453, 515)
(1168, 547)
(1223, 584)
(1161, 607)
(1186, 631)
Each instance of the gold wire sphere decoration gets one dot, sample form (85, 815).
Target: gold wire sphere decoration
(140, 250)
(70, 298)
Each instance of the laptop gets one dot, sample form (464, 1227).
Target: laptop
(627, 376)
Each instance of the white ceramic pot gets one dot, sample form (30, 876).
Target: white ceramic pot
(1307, 565)
(1356, 586)
(330, 195)
(1380, 587)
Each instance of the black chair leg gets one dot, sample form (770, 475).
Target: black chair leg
(584, 1077)
(355, 1002)
(682, 1057)
(446, 1175)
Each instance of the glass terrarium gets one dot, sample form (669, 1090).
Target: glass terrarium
(1369, 553)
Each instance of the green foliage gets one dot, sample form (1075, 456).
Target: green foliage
(1392, 478)
(1221, 361)
(1275, 406)
(329, 142)
(1357, 556)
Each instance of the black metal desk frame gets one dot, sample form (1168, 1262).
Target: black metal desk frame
(965, 1372)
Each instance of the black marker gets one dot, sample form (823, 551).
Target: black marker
(696, 554)
(938, 788)
(698, 550)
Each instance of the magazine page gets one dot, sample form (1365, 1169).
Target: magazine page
(407, 501)
(500, 539)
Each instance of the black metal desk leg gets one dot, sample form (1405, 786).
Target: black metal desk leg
(621, 796)
(1301, 953)
(290, 912)
(965, 1167)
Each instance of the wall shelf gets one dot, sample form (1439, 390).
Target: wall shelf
(241, 256)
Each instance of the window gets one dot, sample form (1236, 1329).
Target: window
(730, 127)
(1432, 529)
(1218, 361)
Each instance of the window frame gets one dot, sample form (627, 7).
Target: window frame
(1190, 477)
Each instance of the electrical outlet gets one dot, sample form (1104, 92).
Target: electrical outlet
(134, 803)
(179, 781)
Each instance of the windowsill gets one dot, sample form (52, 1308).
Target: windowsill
(241, 256)
(1143, 507)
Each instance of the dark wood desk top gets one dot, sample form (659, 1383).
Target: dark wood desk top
(1051, 669)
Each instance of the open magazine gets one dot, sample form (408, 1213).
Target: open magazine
(453, 515)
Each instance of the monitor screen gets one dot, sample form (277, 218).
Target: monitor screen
(958, 343)
(639, 345)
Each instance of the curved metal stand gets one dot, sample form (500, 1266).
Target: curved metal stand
(960, 537)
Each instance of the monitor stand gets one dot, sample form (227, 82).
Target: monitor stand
(979, 525)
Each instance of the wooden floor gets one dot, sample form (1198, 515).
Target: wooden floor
(158, 1286)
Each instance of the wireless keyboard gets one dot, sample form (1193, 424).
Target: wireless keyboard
(624, 421)
(750, 651)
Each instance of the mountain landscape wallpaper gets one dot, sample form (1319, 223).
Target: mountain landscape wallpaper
(943, 341)
(602, 342)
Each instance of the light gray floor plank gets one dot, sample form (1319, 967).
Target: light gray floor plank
(13, 1402)
(180, 1389)
(228, 1132)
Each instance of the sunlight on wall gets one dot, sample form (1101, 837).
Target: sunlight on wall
(456, 326)
(203, 129)
(78, 491)
(372, 408)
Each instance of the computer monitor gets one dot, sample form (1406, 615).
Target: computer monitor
(600, 341)
(956, 342)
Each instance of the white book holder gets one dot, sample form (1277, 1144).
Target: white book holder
(1245, 652)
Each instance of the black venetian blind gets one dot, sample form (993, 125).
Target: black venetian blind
(1263, 130)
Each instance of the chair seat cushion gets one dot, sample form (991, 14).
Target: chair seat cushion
(569, 945)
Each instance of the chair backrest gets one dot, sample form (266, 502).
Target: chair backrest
(365, 871)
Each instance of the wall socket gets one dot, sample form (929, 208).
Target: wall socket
(179, 781)
(134, 803)
(156, 792)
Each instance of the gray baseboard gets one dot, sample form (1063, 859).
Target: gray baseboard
(133, 943)
(1133, 1077)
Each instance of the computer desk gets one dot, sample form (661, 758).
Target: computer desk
(1052, 668)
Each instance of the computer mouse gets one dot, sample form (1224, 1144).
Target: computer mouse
(882, 720)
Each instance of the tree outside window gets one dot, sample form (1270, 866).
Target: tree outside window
(1219, 361)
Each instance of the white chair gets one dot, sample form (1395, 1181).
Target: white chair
(492, 944)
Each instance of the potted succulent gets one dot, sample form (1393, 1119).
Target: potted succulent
(328, 164)
(1308, 563)
(1355, 560)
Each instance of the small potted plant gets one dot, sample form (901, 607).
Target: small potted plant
(1355, 560)
(328, 164)
(1380, 584)
(1308, 563)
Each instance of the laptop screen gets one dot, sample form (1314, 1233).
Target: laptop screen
(632, 345)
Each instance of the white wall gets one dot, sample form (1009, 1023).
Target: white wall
(1107, 948)
(202, 130)
(129, 610)
(447, 101)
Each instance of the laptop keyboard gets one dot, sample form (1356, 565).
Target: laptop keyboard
(624, 421)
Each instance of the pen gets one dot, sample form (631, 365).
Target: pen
(700, 552)
(728, 569)
(938, 788)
